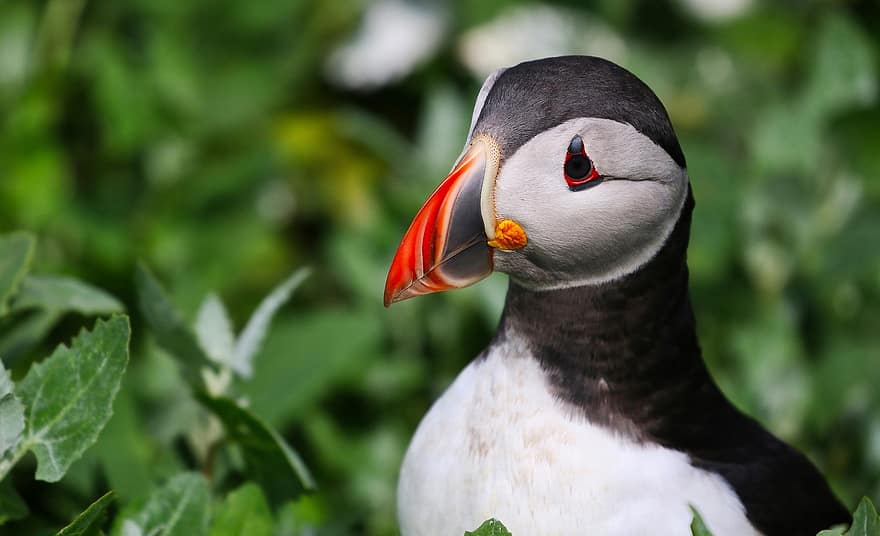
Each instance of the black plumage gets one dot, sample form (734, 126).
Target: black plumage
(534, 96)
(626, 353)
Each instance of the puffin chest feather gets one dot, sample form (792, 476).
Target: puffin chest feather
(498, 443)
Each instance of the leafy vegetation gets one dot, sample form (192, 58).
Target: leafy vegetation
(866, 522)
(224, 144)
(63, 402)
(698, 527)
(89, 522)
(491, 527)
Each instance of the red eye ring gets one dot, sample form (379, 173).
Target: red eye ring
(578, 169)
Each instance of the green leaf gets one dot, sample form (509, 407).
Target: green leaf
(255, 331)
(270, 461)
(244, 511)
(63, 294)
(11, 414)
(126, 451)
(866, 522)
(69, 396)
(16, 250)
(843, 72)
(41, 302)
(89, 522)
(12, 507)
(786, 139)
(179, 508)
(491, 527)
(836, 531)
(171, 332)
(308, 354)
(214, 330)
(698, 528)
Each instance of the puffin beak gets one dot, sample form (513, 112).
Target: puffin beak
(446, 246)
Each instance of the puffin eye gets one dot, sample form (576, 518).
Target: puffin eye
(578, 168)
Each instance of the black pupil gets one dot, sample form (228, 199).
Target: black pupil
(578, 167)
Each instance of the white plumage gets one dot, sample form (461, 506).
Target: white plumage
(499, 444)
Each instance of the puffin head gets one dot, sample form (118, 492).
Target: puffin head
(571, 175)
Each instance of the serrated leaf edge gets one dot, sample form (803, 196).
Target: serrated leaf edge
(29, 442)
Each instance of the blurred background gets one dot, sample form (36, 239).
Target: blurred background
(228, 143)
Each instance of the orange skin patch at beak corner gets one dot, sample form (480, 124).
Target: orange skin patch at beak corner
(509, 236)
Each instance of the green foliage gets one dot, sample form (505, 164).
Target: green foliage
(179, 508)
(61, 405)
(269, 460)
(167, 326)
(836, 531)
(214, 330)
(59, 295)
(67, 399)
(251, 338)
(491, 527)
(42, 301)
(244, 511)
(12, 507)
(329, 349)
(866, 521)
(11, 415)
(69, 396)
(89, 522)
(698, 528)
(15, 257)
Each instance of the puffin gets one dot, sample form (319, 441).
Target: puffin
(591, 410)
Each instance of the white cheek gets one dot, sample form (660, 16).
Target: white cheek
(597, 234)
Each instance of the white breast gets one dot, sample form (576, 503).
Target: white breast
(499, 444)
